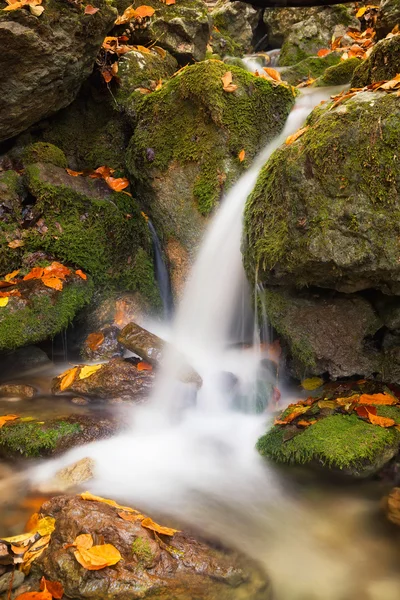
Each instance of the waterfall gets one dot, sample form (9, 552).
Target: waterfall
(161, 272)
(193, 457)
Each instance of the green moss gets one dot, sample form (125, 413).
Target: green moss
(34, 439)
(339, 74)
(313, 66)
(383, 63)
(337, 441)
(45, 153)
(224, 45)
(142, 550)
(43, 317)
(192, 120)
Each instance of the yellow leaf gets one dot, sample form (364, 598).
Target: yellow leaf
(273, 73)
(242, 155)
(292, 138)
(91, 497)
(150, 524)
(98, 557)
(361, 11)
(45, 526)
(14, 243)
(24, 538)
(227, 82)
(10, 276)
(132, 518)
(313, 383)
(327, 404)
(36, 11)
(89, 370)
(296, 412)
(160, 51)
(84, 541)
(68, 378)
(3, 302)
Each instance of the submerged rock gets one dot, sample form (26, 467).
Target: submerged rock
(47, 59)
(184, 152)
(392, 503)
(162, 567)
(237, 22)
(68, 478)
(14, 390)
(382, 64)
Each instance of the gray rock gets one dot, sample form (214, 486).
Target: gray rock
(238, 21)
(13, 579)
(382, 64)
(388, 17)
(279, 22)
(46, 60)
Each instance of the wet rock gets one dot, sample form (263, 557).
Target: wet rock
(32, 439)
(102, 345)
(67, 478)
(180, 566)
(388, 17)
(237, 22)
(179, 266)
(116, 379)
(23, 359)
(196, 131)
(182, 29)
(79, 401)
(325, 332)
(11, 580)
(313, 66)
(44, 69)
(14, 390)
(5, 558)
(393, 506)
(320, 205)
(382, 64)
(315, 32)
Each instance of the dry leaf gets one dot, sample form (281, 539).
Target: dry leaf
(145, 11)
(45, 595)
(150, 524)
(3, 302)
(88, 371)
(304, 423)
(91, 497)
(323, 52)
(242, 155)
(6, 418)
(94, 340)
(54, 587)
(381, 421)
(85, 541)
(273, 73)
(384, 399)
(36, 10)
(32, 522)
(144, 366)
(296, 412)
(295, 136)
(327, 404)
(45, 526)
(35, 273)
(131, 517)
(91, 10)
(227, 82)
(98, 557)
(16, 244)
(68, 378)
(117, 184)
(10, 276)
(56, 269)
(81, 274)
(311, 384)
(53, 282)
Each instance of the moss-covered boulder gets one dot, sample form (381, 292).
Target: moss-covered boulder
(347, 427)
(34, 311)
(315, 32)
(140, 71)
(47, 59)
(11, 195)
(43, 152)
(311, 67)
(279, 22)
(324, 332)
(388, 16)
(326, 209)
(237, 21)
(184, 151)
(182, 28)
(382, 64)
(85, 223)
(338, 74)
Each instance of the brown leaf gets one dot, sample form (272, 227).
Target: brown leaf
(91, 10)
(295, 136)
(273, 73)
(98, 557)
(384, 399)
(68, 378)
(94, 340)
(304, 423)
(150, 524)
(54, 587)
(131, 517)
(227, 82)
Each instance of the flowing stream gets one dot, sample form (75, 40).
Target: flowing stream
(191, 456)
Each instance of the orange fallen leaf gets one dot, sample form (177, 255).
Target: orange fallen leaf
(98, 557)
(91, 10)
(117, 184)
(35, 273)
(81, 274)
(85, 541)
(6, 418)
(384, 399)
(150, 524)
(144, 366)
(90, 497)
(45, 595)
(54, 587)
(74, 173)
(11, 276)
(53, 282)
(296, 412)
(56, 269)
(16, 244)
(304, 423)
(94, 340)
(323, 52)
(273, 73)
(132, 518)
(295, 136)
(145, 11)
(242, 155)
(227, 82)
(381, 421)
(68, 378)
(32, 521)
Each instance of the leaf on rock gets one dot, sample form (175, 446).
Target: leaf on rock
(91, 497)
(3, 302)
(98, 557)
(273, 73)
(68, 378)
(74, 173)
(150, 524)
(132, 13)
(54, 587)
(304, 423)
(384, 399)
(295, 136)
(81, 274)
(88, 371)
(53, 282)
(56, 269)
(94, 340)
(311, 384)
(85, 541)
(144, 366)
(323, 52)
(145, 11)
(227, 82)
(91, 10)
(36, 10)
(131, 517)
(242, 155)
(117, 184)
(45, 595)
(331, 404)
(6, 418)
(45, 526)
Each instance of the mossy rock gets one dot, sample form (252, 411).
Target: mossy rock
(326, 209)
(35, 439)
(279, 22)
(44, 152)
(184, 151)
(223, 44)
(388, 17)
(237, 22)
(41, 312)
(342, 443)
(315, 32)
(88, 225)
(338, 74)
(382, 64)
(313, 66)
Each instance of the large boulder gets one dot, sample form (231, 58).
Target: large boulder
(388, 17)
(338, 74)
(46, 59)
(382, 64)
(313, 66)
(316, 32)
(237, 21)
(152, 566)
(279, 22)
(184, 151)
(326, 209)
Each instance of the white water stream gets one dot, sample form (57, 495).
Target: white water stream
(193, 458)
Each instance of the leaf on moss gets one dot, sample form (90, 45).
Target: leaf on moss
(6, 418)
(227, 82)
(81, 274)
(295, 136)
(3, 302)
(273, 73)
(296, 412)
(313, 383)
(384, 399)
(242, 155)
(323, 52)
(91, 10)
(53, 282)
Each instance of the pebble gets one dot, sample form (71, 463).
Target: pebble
(5, 581)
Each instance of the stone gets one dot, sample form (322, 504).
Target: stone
(315, 32)
(392, 503)
(180, 566)
(179, 266)
(238, 22)
(11, 580)
(118, 378)
(313, 66)
(23, 359)
(338, 74)
(68, 478)
(107, 349)
(279, 22)
(382, 64)
(43, 152)
(46, 60)
(14, 390)
(184, 152)
(388, 17)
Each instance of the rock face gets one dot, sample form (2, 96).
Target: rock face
(388, 17)
(180, 566)
(237, 21)
(315, 32)
(382, 64)
(279, 22)
(183, 29)
(184, 151)
(46, 60)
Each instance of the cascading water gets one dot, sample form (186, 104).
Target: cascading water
(161, 272)
(193, 457)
